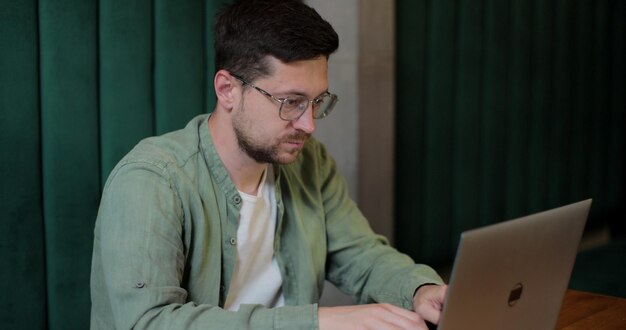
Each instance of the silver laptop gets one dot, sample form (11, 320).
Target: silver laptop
(514, 274)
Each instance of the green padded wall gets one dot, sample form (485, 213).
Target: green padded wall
(69, 145)
(126, 77)
(81, 82)
(506, 108)
(22, 261)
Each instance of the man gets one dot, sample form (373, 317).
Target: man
(236, 220)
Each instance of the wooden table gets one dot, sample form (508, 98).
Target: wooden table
(583, 310)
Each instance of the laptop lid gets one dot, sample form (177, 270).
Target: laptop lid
(514, 274)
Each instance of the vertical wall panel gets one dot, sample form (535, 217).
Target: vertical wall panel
(518, 115)
(495, 112)
(179, 77)
(467, 119)
(126, 77)
(560, 123)
(410, 70)
(542, 89)
(22, 265)
(439, 126)
(600, 91)
(616, 160)
(582, 98)
(373, 111)
(70, 154)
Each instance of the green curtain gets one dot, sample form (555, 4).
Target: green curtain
(81, 82)
(22, 247)
(506, 108)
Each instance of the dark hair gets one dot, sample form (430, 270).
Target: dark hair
(247, 31)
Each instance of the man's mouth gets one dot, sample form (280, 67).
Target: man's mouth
(297, 140)
(298, 144)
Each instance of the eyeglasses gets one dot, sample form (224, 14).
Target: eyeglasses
(293, 107)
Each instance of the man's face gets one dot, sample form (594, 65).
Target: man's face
(260, 132)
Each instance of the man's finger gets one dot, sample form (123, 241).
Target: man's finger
(430, 302)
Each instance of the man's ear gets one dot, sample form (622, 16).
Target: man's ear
(225, 88)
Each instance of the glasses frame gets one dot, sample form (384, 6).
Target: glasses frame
(318, 100)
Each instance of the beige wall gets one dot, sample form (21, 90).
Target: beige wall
(339, 131)
(359, 134)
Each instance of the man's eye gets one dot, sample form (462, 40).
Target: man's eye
(291, 102)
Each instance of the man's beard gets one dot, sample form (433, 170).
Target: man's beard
(262, 154)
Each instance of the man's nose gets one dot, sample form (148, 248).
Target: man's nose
(306, 122)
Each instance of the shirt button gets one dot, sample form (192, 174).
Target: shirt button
(233, 241)
(237, 199)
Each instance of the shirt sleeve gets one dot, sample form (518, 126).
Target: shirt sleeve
(361, 262)
(139, 264)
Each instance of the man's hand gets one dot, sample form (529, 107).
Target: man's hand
(428, 302)
(374, 316)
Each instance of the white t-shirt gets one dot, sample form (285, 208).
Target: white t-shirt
(256, 278)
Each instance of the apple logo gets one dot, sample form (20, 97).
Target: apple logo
(516, 294)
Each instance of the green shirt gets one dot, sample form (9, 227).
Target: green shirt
(165, 241)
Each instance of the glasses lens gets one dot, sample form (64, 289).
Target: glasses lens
(292, 107)
(325, 106)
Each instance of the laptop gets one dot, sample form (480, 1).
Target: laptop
(514, 274)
